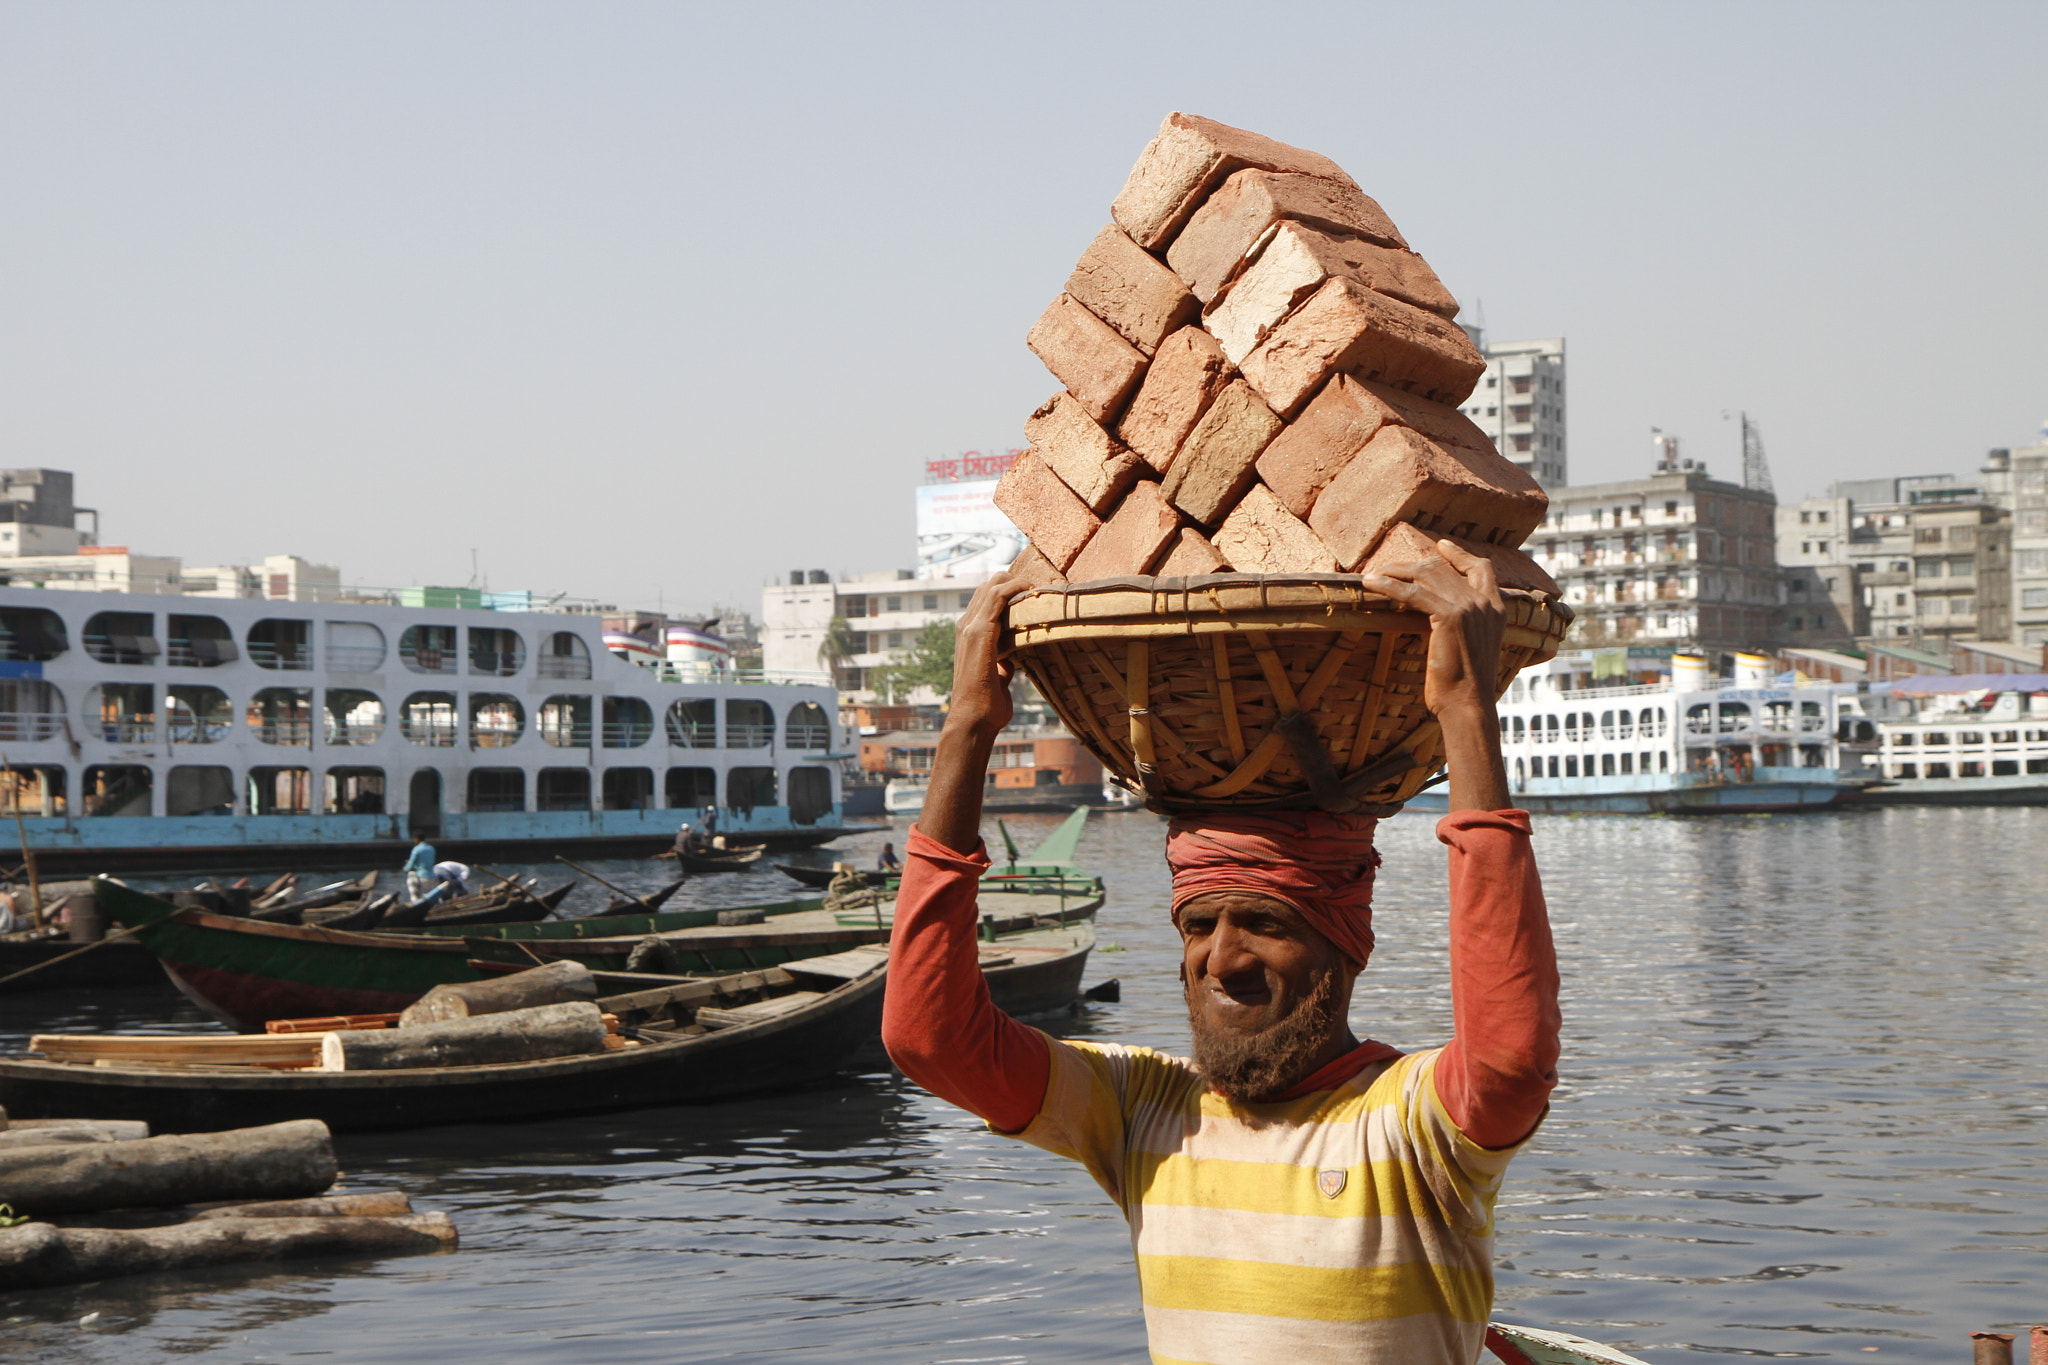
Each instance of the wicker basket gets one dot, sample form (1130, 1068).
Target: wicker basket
(1250, 691)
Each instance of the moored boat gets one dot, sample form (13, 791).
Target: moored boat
(1969, 741)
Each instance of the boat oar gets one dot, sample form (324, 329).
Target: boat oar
(517, 893)
(637, 900)
(122, 932)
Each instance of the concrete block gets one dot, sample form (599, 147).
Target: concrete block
(1186, 375)
(1345, 327)
(1321, 443)
(1132, 540)
(1085, 353)
(1041, 505)
(1188, 159)
(1292, 263)
(1214, 247)
(1034, 568)
(1218, 460)
(1127, 287)
(1075, 447)
(1261, 536)
(1405, 544)
(1192, 554)
(1403, 476)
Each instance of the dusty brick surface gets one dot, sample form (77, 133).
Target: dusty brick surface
(1403, 476)
(1132, 540)
(1446, 426)
(1294, 261)
(1192, 553)
(1211, 250)
(1407, 544)
(1318, 445)
(1041, 505)
(1075, 447)
(1127, 287)
(1348, 328)
(1085, 353)
(1261, 536)
(1191, 156)
(1184, 379)
(1034, 568)
(1217, 462)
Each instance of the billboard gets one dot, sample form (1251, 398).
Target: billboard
(960, 534)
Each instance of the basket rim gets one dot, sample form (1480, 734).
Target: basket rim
(1224, 595)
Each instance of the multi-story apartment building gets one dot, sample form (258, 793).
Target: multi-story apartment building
(2018, 479)
(1822, 597)
(1933, 557)
(884, 613)
(1520, 403)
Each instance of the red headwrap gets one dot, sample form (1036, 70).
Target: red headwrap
(1321, 864)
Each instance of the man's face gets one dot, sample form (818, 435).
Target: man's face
(1267, 994)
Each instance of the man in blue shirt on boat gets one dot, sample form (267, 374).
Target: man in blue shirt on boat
(419, 868)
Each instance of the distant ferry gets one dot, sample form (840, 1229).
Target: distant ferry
(1984, 747)
(1690, 744)
(167, 731)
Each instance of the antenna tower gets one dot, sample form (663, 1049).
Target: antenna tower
(1756, 471)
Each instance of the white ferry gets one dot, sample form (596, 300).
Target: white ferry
(1975, 746)
(177, 731)
(1691, 744)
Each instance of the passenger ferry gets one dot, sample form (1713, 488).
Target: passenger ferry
(177, 731)
(1690, 744)
(1987, 746)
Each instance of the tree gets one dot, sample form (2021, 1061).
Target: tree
(927, 662)
(837, 647)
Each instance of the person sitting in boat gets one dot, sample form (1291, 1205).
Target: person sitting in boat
(457, 877)
(1293, 1192)
(887, 861)
(419, 868)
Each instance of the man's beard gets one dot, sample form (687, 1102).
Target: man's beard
(1248, 1066)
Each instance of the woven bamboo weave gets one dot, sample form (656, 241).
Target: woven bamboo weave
(1252, 691)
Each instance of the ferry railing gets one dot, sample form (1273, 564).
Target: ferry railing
(26, 726)
(134, 730)
(438, 661)
(702, 735)
(566, 666)
(354, 658)
(342, 734)
(295, 733)
(433, 734)
(626, 735)
(204, 652)
(189, 731)
(749, 736)
(287, 658)
(810, 737)
(492, 739)
(120, 649)
(572, 736)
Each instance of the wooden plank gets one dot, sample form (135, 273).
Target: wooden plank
(83, 1047)
(758, 1011)
(846, 966)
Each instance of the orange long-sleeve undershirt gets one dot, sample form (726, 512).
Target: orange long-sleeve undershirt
(1494, 1077)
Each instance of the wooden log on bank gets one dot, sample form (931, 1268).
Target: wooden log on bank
(554, 984)
(38, 1255)
(277, 1161)
(49, 1132)
(527, 1035)
(372, 1204)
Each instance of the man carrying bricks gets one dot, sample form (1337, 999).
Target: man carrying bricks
(1294, 1194)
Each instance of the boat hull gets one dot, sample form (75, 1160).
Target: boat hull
(122, 962)
(1733, 798)
(2026, 790)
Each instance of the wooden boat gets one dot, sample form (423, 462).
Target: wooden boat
(1516, 1345)
(654, 900)
(821, 877)
(36, 955)
(695, 1040)
(293, 911)
(721, 859)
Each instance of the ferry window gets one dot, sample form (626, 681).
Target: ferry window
(1521, 773)
(564, 655)
(355, 791)
(1663, 758)
(497, 789)
(2034, 765)
(122, 713)
(690, 788)
(1660, 722)
(198, 715)
(2005, 736)
(195, 789)
(749, 724)
(629, 789)
(1972, 769)
(1571, 765)
(1969, 737)
(693, 724)
(496, 721)
(1607, 725)
(286, 645)
(429, 718)
(1905, 770)
(565, 722)
(1627, 728)
(200, 642)
(1937, 770)
(746, 788)
(807, 728)
(1734, 716)
(1551, 736)
(1810, 717)
(428, 649)
(280, 791)
(30, 709)
(1516, 690)
(495, 652)
(353, 716)
(1519, 734)
(1553, 765)
(1606, 764)
(810, 794)
(33, 790)
(283, 715)
(1699, 718)
(1777, 755)
(1628, 764)
(1777, 715)
(2005, 767)
(114, 789)
(1586, 725)
(1503, 729)
(31, 634)
(354, 647)
(628, 723)
(562, 789)
(1571, 728)
(122, 637)
(1933, 737)
(1900, 741)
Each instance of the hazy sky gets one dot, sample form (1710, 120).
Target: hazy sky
(656, 302)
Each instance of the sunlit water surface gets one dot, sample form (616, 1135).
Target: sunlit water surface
(1804, 1097)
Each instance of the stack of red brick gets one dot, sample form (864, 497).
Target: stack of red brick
(1260, 377)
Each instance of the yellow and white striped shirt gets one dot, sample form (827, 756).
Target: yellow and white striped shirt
(1351, 1224)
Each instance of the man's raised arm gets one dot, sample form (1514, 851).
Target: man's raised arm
(1496, 1075)
(938, 1022)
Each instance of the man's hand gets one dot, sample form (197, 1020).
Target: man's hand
(979, 709)
(1466, 622)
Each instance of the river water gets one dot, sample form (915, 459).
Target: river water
(1805, 1089)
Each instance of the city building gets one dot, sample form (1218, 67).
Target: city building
(2018, 479)
(1519, 403)
(884, 613)
(1932, 557)
(1823, 599)
(38, 516)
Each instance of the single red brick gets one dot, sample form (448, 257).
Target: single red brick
(1039, 503)
(1188, 159)
(1217, 461)
(1034, 568)
(1098, 367)
(1213, 249)
(1261, 536)
(1318, 445)
(1347, 328)
(1441, 423)
(1126, 286)
(1075, 447)
(1132, 540)
(1185, 377)
(1403, 476)
(1292, 264)
(1405, 544)
(1191, 554)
